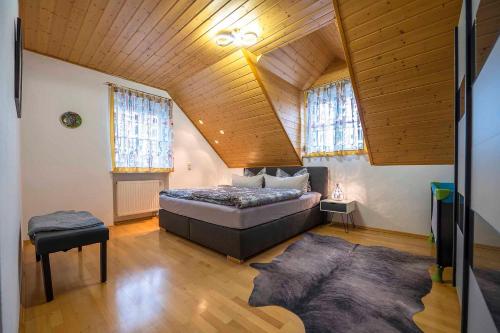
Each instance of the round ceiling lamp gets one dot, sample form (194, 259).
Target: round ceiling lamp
(248, 38)
(236, 37)
(224, 38)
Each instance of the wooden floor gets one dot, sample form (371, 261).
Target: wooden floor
(158, 282)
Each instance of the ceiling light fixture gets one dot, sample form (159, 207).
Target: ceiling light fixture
(221, 131)
(217, 141)
(236, 37)
(200, 121)
(224, 38)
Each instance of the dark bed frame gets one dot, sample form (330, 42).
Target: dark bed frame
(241, 244)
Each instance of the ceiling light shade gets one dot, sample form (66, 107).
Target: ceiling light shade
(224, 38)
(248, 38)
(221, 131)
(200, 121)
(236, 37)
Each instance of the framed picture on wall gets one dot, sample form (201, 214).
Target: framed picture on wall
(18, 66)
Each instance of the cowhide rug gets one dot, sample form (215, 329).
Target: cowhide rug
(337, 286)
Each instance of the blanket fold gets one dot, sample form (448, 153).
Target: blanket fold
(240, 197)
(62, 220)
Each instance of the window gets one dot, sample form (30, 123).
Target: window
(141, 131)
(332, 121)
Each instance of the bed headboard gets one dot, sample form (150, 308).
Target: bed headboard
(318, 176)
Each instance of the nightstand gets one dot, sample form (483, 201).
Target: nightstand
(344, 207)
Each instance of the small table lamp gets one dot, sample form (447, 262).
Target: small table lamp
(338, 194)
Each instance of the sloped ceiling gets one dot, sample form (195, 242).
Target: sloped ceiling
(303, 61)
(400, 55)
(229, 97)
(161, 42)
(170, 45)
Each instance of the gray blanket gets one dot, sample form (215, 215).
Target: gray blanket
(62, 220)
(240, 197)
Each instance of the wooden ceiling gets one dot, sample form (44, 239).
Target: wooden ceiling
(161, 42)
(303, 61)
(229, 96)
(400, 56)
(170, 45)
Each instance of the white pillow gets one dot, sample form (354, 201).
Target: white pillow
(303, 171)
(296, 182)
(244, 181)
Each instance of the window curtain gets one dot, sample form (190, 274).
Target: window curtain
(332, 120)
(142, 130)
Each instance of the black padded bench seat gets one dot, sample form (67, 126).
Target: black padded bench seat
(55, 241)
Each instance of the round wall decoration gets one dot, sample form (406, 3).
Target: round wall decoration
(71, 119)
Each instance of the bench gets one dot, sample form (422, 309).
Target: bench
(55, 241)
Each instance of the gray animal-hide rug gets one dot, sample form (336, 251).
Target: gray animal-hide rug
(337, 286)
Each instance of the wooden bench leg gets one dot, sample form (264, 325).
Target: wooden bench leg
(104, 262)
(47, 278)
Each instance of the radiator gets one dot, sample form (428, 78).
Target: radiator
(137, 197)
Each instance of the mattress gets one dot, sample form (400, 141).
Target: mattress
(236, 218)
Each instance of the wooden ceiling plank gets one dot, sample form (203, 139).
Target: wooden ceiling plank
(189, 34)
(340, 24)
(140, 16)
(204, 48)
(75, 20)
(371, 10)
(330, 34)
(234, 70)
(90, 22)
(29, 13)
(201, 60)
(296, 64)
(416, 82)
(167, 29)
(371, 50)
(105, 20)
(120, 21)
(405, 52)
(308, 57)
(294, 31)
(337, 70)
(61, 14)
(273, 64)
(210, 58)
(227, 82)
(140, 34)
(408, 66)
(392, 18)
(45, 20)
(143, 46)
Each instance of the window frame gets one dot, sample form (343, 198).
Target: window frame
(114, 168)
(363, 151)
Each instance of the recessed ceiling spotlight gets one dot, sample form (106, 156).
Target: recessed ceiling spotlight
(200, 121)
(216, 141)
(236, 37)
(221, 131)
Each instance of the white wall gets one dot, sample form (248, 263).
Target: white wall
(388, 197)
(10, 207)
(70, 168)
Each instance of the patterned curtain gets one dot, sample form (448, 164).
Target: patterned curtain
(142, 131)
(332, 120)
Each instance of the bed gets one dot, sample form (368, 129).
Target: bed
(243, 233)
